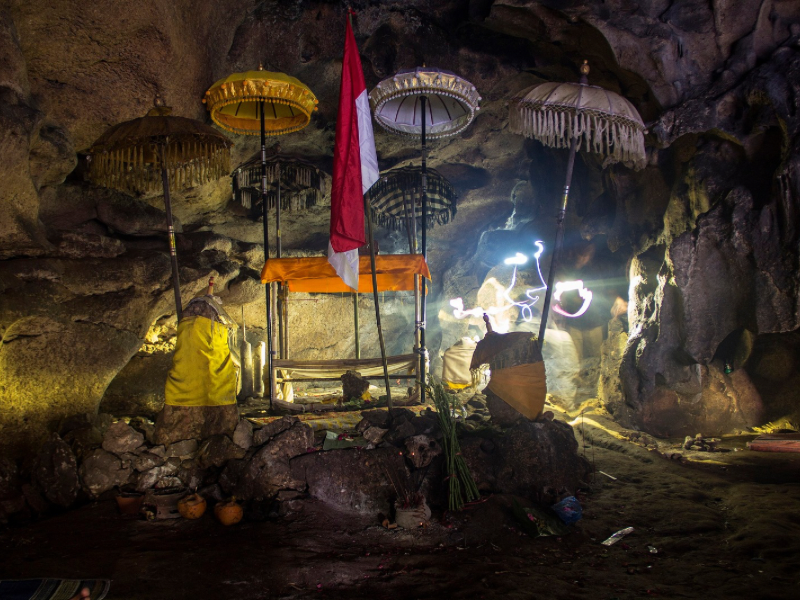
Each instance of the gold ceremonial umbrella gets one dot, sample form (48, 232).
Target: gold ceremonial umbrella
(573, 115)
(237, 103)
(271, 104)
(158, 149)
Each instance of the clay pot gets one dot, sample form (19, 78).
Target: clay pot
(412, 517)
(192, 506)
(228, 513)
(130, 503)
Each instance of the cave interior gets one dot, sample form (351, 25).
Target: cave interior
(688, 349)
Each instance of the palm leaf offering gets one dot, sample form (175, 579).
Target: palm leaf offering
(462, 488)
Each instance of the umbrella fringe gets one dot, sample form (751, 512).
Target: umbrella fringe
(302, 185)
(187, 165)
(400, 187)
(617, 138)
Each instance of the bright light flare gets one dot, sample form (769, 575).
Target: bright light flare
(571, 286)
(518, 259)
(524, 306)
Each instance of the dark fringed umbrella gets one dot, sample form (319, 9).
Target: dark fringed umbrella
(140, 155)
(398, 194)
(299, 184)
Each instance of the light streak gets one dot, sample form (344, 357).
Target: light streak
(525, 306)
(518, 259)
(532, 294)
(571, 286)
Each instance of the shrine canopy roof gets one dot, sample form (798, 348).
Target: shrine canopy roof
(395, 273)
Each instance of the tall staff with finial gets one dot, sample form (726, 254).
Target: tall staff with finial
(564, 115)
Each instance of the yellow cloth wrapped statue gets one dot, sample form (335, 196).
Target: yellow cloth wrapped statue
(203, 371)
(517, 369)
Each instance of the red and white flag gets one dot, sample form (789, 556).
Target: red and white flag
(355, 166)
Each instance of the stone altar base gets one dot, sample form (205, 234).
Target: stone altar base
(175, 423)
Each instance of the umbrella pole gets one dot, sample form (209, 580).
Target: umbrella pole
(281, 331)
(355, 324)
(173, 256)
(559, 241)
(411, 230)
(268, 286)
(423, 352)
(377, 305)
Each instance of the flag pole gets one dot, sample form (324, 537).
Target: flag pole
(368, 216)
(377, 304)
(355, 323)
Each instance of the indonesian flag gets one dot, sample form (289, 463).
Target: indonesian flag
(355, 166)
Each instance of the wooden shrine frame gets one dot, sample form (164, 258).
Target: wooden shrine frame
(394, 273)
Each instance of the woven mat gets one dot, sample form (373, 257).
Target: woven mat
(52, 589)
(336, 421)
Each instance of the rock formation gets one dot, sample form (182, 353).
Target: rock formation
(709, 227)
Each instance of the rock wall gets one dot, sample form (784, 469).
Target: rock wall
(709, 226)
(730, 255)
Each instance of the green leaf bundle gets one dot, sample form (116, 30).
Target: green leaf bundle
(462, 488)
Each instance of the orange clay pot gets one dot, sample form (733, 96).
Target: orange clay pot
(192, 506)
(228, 513)
(130, 503)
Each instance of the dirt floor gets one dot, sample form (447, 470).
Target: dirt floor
(712, 525)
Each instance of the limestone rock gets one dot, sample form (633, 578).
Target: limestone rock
(145, 426)
(243, 435)
(724, 403)
(150, 479)
(229, 478)
(535, 460)
(421, 450)
(183, 449)
(374, 435)
(79, 356)
(353, 385)
(103, 421)
(102, 471)
(175, 423)
(88, 245)
(190, 474)
(169, 482)
(83, 440)
(121, 438)
(217, 450)
(426, 423)
(377, 417)
(270, 430)
(132, 216)
(352, 480)
(502, 413)
(11, 499)
(400, 429)
(55, 471)
(268, 471)
(212, 492)
(609, 387)
(146, 461)
(34, 498)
